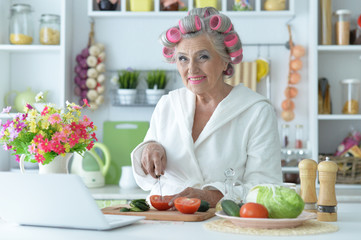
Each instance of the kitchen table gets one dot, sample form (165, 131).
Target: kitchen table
(349, 222)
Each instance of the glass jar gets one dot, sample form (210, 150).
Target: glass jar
(285, 135)
(49, 29)
(343, 27)
(299, 136)
(21, 25)
(351, 98)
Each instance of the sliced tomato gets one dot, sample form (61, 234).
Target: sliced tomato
(160, 203)
(187, 205)
(253, 210)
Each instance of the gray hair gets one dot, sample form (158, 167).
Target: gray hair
(218, 28)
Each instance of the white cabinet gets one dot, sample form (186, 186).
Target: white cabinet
(334, 62)
(41, 67)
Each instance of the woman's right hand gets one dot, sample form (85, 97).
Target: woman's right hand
(154, 159)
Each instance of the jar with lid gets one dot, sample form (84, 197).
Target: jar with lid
(351, 96)
(343, 27)
(21, 25)
(49, 29)
(299, 136)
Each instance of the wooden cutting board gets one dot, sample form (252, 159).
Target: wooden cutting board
(168, 215)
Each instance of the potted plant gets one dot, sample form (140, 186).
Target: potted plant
(128, 81)
(157, 81)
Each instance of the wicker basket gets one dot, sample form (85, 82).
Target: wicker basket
(349, 169)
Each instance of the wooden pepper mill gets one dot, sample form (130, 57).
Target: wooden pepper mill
(308, 171)
(326, 210)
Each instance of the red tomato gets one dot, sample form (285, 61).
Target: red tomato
(253, 210)
(187, 205)
(160, 203)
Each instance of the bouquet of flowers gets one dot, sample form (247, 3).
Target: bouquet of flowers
(43, 135)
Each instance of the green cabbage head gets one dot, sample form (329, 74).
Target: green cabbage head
(281, 202)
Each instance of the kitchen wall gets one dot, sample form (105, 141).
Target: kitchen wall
(133, 42)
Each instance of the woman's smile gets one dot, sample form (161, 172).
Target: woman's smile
(196, 79)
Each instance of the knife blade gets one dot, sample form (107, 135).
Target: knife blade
(160, 188)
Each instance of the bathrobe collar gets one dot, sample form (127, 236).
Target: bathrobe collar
(183, 103)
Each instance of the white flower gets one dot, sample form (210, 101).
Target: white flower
(68, 103)
(39, 97)
(114, 80)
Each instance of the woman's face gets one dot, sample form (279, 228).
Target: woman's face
(200, 66)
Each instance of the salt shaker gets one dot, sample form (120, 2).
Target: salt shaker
(326, 209)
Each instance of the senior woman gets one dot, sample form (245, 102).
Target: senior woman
(199, 131)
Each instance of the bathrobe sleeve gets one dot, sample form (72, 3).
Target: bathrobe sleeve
(263, 151)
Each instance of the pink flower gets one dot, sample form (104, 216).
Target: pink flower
(74, 139)
(45, 145)
(66, 130)
(29, 106)
(39, 158)
(55, 118)
(94, 136)
(86, 102)
(7, 147)
(90, 146)
(32, 148)
(6, 110)
(86, 120)
(17, 158)
(57, 147)
(38, 138)
(74, 126)
(45, 111)
(76, 107)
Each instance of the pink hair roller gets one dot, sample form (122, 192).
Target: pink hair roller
(236, 53)
(168, 52)
(237, 59)
(197, 22)
(229, 29)
(181, 27)
(173, 35)
(215, 22)
(230, 40)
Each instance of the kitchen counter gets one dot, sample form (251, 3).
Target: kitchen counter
(110, 192)
(349, 223)
(344, 193)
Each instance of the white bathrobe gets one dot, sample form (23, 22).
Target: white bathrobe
(242, 134)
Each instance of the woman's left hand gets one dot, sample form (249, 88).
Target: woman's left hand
(211, 196)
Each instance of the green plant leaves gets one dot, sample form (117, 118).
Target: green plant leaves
(128, 79)
(157, 78)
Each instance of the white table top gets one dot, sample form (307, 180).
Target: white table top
(349, 222)
(344, 193)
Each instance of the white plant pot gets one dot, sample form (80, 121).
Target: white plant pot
(127, 96)
(153, 95)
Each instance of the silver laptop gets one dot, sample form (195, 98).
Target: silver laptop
(53, 200)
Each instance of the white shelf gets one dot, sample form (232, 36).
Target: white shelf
(290, 169)
(112, 14)
(339, 48)
(339, 117)
(124, 12)
(30, 48)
